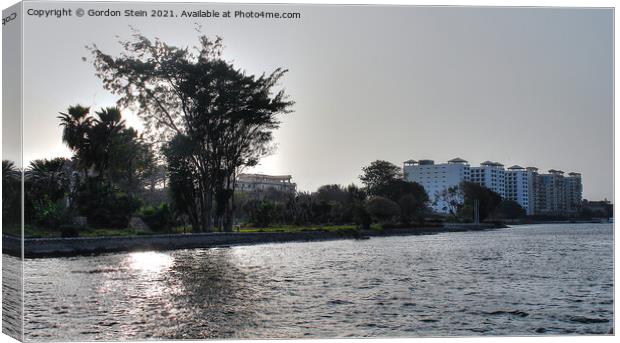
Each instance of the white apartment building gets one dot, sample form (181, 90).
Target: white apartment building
(435, 178)
(490, 175)
(520, 186)
(551, 193)
(261, 182)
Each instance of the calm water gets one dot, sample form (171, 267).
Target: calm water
(528, 280)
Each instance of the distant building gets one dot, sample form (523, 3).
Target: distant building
(520, 186)
(551, 194)
(261, 182)
(557, 194)
(543, 194)
(574, 192)
(490, 175)
(603, 209)
(435, 178)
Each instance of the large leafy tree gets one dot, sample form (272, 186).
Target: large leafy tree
(395, 189)
(452, 200)
(411, 197)
(224, 116)
(133, 162)
(378, 175)
(488, 200)
(384, 179)
(183, 180)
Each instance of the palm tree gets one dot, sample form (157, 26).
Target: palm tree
(103, 139)
(106, 151)
(11, 193)
(49, 177)
(9, 170)
(76, 124)
(91, 138)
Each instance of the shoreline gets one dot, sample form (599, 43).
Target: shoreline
(65, 247)
(538, 222)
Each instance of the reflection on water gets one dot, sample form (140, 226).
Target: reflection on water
(555, 279)
(150, 261)
(12, 296)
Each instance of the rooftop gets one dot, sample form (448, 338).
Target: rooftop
(457, 160)
(264, 177)
(491, 164)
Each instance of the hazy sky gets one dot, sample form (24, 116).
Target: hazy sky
(516, 85)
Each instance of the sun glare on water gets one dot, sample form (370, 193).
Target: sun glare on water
(150, 261)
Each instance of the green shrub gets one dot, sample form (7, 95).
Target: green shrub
(114, 212)
(263, 213)
(49, 214)
(105, 207)
(158, 218)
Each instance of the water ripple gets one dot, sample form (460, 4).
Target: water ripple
(530, 280)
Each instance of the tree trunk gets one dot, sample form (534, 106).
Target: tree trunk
(200, 205)
(206, 216)
(230, 206)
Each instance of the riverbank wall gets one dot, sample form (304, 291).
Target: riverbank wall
(52, 247)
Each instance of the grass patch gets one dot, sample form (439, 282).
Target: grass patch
(296, 228)
(37, 232)
(112, 232)
(29, 231)
(181, 229)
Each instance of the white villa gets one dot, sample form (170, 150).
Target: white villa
(262, 182)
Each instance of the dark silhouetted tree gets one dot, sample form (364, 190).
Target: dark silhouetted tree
(105, 149)
(11, 193)
(382, 209)
(226, 115)
(509, 209)
(112, 163)
(487, 200)
(452, 200)
(48, 178)
(333, 193)
(378, 175)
